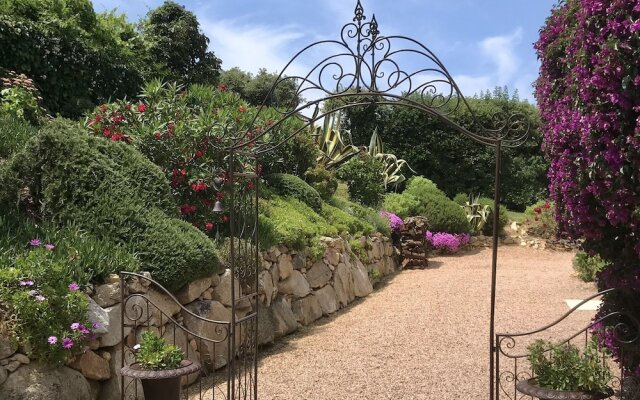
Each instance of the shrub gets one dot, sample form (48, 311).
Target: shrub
(461, 199)
(14, 133)
(404, 205)
(156, 354)
(587, 267)
(540, 219)
(345, 222)
(395, 222)
(503, 218)
(363, 176)
(111, 191)
(291, 185)
(360, 250)
(323, 180)
(50, 310)
(363, 213)
(419, 186)
(290, 222)
(20, 98)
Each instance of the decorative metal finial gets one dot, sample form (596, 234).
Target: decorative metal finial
(373, 28)
(359, 12)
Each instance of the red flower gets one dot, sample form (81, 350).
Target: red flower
(98, 118)
(183, 172)
(242, 109)
(142, 107)
(187, 209)
(209, 226)
(198, 154)
(537, 210)
(250, 185)
(536, 218)
(199, 186)
(117, 119)
(157, 134)
(222, 87)
(546, 205)
(106, 132)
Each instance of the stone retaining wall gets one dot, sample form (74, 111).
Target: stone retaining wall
(294, 290)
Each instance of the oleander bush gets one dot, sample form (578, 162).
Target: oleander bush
(291, 185)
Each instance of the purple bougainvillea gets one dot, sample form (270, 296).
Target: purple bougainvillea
(395, 222)
(588, 93)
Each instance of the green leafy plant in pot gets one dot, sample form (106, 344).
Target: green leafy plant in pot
(159, 366)
(562, 371)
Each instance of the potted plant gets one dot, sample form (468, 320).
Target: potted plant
(562, 371)
(159, 366)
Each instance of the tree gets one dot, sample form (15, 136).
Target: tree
(588, 92)
(177, 48)
(256, 89)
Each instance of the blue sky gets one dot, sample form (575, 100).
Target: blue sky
(483, 43)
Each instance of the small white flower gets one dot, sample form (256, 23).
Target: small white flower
(136, 347)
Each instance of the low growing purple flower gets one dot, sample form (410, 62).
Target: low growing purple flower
(35, 242)
(75, 326)
(67, 343)
(448, 241)
(52, 340)
(40, 298)
(74, 286)
(95, 325)
(49, 246)
(27, 282)
(395, 222)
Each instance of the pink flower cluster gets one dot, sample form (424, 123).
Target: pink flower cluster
(447, 241)
(395, 222)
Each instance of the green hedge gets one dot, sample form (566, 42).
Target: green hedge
(14, 133)
(113, 192)
(291, 185)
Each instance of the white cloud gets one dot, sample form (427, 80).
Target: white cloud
(251, 47)
(501, 51)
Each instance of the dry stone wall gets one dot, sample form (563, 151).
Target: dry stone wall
(294, 290)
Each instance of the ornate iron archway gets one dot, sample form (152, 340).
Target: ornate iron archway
(361, 62)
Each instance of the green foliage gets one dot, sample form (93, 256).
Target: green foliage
(290, 222)
(345, 222)
(111, 191)
(565, 367)
(86, 258)
(156, 354)
(422, 197)
(50, 311)
(587, 267)
(403, 205)
(333, 151)
(176, 47)
(461, 199)
(375, 274)
(364, 214)
(453, 161)
(316, 249)
(257, 90)
(359, 250)
(322, 180)
(540, 219)
(478, 214)
(391, 164)
(75, 56)
(291, 185)
(503, 217)
(364, 178)
(14, 133)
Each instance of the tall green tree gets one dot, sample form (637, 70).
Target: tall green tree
(176, 47)
(256, 89)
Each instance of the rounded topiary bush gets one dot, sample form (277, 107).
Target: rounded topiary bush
(292, 186)
(322, 180)
(419, 185)
(363, 176)
(443, 215)
(461, 199)
(403, 205)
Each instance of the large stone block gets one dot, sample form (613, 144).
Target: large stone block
(285, 266)
(361, 283)
(284, 320)
(343, 285)
(265, 285)
(294, 285)
(214, 350)
(107, 295)
(7, 347)
(327, 299)
(307, 309)
(192, 290)
(222, 292)
(319, 275)
(38, 382)
(112, 337)
(91, 366)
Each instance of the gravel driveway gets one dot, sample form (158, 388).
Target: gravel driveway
(424, 333)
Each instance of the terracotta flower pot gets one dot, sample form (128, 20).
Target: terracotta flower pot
(530, 387)
(160, 384)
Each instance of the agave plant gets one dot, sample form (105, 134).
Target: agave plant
(392, 165)
(477, 214)
(333, 151)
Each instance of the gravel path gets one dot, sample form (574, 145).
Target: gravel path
(424, 334)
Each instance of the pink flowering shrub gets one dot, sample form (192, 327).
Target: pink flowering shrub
(588, 93)
(395, 222)
(447, 241)
(50, 310)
